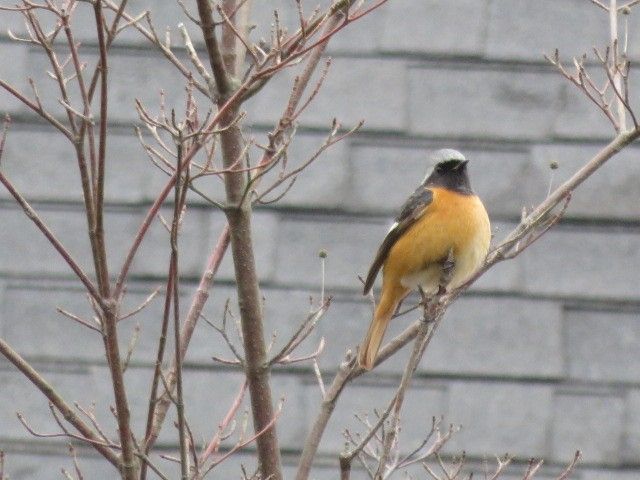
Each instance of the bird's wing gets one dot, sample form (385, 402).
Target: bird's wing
(412, 210)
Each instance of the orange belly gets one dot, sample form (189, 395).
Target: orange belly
(453, 223)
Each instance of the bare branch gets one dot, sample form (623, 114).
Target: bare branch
(304, 330)
(140, 307)
(59, 403)
(571, 467)
(61, 249)
(214, 444)
(81, 321)
(600, 4)
(201, 296)
(193, 55)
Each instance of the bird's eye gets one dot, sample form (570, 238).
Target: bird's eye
(439, 170)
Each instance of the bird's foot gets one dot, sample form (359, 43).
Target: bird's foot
(423, 295)
(447, 265)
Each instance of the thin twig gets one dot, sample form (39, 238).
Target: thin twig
(214, 444)
(50, 236)
(63, 407)
(81, 321)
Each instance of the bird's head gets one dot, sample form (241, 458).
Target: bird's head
(449, 171)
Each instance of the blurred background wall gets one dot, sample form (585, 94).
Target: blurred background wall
(540, 358)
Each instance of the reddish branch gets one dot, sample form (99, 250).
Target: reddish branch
(207, 25)
(160, 406)
(102, 271)
(60, 248)
(59, 403)
(224, 60)
(512, 245)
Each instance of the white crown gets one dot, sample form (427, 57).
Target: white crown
(446, 154)
(442, 156)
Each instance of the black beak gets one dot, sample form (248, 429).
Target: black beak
(462, 165)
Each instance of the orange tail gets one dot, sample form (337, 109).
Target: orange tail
(386, 308)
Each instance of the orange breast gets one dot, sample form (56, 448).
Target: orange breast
(452, 222)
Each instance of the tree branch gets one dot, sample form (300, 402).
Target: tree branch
(349, 370)
(64, 253)
(218, 67)
(63, 407)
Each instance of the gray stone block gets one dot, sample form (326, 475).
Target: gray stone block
(597, 344)
(606, 474)
(358, 36)
(383, 176)
(318, 472)
(36, 330)
(525, 30)
(343, 327)
(205, 389)
(631, 428)
(19, 395)
(579, 117)
(45, 463)
(517, 470)
(263, 17)
(350, 247)
(47, 466)
(164, 14)
(34, 327)
(31, 253)
(500, 417)
(153, 255)
(361, 37)
(423, 399)
(134, 74)
(14, 73)
(445, 354)
(346, 94)
(434, 27)
(610, 193)
(469, 101)
(498, 337)
(207, 397)
(323, 184)
(27, 251)
(208, 394)
(3, 297)
(42, 165)
(583, 262)
(591, 423)
(284, 311)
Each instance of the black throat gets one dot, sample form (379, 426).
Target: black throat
(455, 180)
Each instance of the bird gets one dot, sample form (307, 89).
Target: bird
(438, 241)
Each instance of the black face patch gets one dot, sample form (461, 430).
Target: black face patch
(450, 174)
(449, 165)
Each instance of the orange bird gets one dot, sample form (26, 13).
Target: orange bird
(438, 241)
